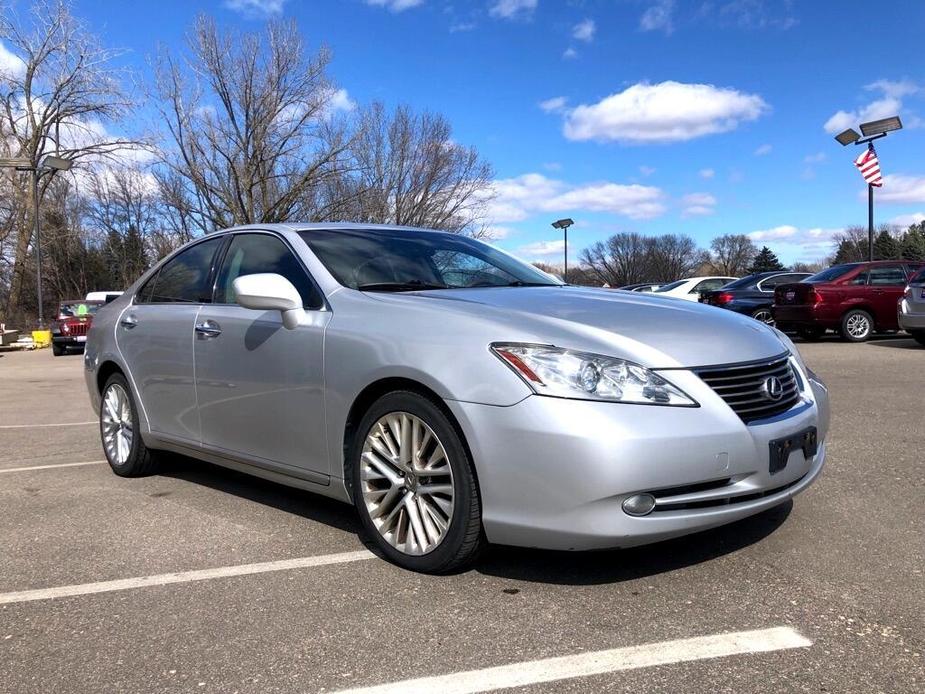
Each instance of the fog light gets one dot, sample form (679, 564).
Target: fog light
(639, 505)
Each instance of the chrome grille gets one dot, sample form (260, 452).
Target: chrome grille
(743, 386)
(81, 328)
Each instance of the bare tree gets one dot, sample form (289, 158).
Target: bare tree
(673, 256)
(732, 254)
(619, 260)
(250, 127)
(410, 172)
(850, 245)
(59, 99)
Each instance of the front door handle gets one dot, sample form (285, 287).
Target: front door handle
(208, 328)
(128, 322)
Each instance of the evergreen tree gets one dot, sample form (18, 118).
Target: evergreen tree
(886, 247)
(765, 261)
(912, 246)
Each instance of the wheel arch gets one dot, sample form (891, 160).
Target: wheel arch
(375, 390)
(860, 306)
(104, 371)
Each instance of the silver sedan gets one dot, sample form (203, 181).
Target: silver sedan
(453, 394)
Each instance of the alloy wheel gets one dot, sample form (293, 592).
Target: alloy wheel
(118, 431)
(407, 483)
(858, 326)
(764, 315)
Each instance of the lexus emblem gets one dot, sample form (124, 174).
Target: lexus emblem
(773, 388)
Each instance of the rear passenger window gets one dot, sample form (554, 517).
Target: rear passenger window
(251, 254)
(859, 279)
(185, 277)
(887, 276)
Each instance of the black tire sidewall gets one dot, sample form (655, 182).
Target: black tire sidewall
(130, 466)
(844, 326)
(463, 480)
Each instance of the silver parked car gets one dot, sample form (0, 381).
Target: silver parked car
(911, 309)
(454, 394)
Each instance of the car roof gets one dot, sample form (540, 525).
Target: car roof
(326, 226)
(80, 301)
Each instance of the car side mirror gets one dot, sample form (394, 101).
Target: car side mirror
(270, 292)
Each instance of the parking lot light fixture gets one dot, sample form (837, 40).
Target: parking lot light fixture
(872, 130)
(564, 224)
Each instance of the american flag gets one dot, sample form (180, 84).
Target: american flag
(869, 166)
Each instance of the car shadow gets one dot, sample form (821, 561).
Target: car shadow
(898, 342)
(287, 499)
(617, 566)
(533, 565)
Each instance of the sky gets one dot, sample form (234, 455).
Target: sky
(702, 117)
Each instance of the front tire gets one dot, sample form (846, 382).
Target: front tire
(120, 431)
(57, 350)
(413, 485)
(857, 326)
(764, 315)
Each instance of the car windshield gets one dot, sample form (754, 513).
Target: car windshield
(833, 273)
(396, 260)
(669, 287)
(77, 309)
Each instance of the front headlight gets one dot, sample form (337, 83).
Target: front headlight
(564, 373)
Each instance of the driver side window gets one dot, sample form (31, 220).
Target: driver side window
(250, 254)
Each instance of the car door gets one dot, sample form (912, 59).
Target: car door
(886, 284)
(155, 337)
(260, 386)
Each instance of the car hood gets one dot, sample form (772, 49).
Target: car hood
(654, 331)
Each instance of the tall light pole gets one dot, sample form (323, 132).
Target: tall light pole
(872, 130)
(48, 164)
(564, 224)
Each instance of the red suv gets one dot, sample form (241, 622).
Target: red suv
(855, 300)
(72, 324)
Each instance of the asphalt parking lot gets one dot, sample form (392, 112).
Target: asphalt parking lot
(202, 579)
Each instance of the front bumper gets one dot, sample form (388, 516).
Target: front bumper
(553, 473)
(69, 340)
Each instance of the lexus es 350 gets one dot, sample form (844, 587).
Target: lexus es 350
(453, 394)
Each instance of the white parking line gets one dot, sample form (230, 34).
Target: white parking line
(40, 426)
(597, 663)
(183, 577)
(47, 467)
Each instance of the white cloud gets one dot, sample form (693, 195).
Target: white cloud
(812, 242)
(763, 150)
(10, 64)
(658, 17)
(512, 9)
(663, 112)
(706, 173)
(569, 53)
(554, 105)
(256, 8)
(395, 5)
(516, 199)
(340, 101)
(816, 158)
(646, 170)
(907, 220)
(888, 105)
(697, 205)
(900, 189)
(542, 249)
(584, 30)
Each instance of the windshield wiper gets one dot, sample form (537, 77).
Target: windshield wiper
(410, 286)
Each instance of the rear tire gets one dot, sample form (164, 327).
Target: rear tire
(811, 334)
(120, 431)
(857, 326)
(764, 315)
(423, 522)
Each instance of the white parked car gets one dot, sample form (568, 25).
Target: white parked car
(691, 287)
(105, 297)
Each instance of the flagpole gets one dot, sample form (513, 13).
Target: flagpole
(870, 222)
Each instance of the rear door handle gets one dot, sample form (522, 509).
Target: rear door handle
(129, 322)
(208, 328)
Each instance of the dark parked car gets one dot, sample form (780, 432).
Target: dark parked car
(752, 295)
(855, 299)
(70, 327)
